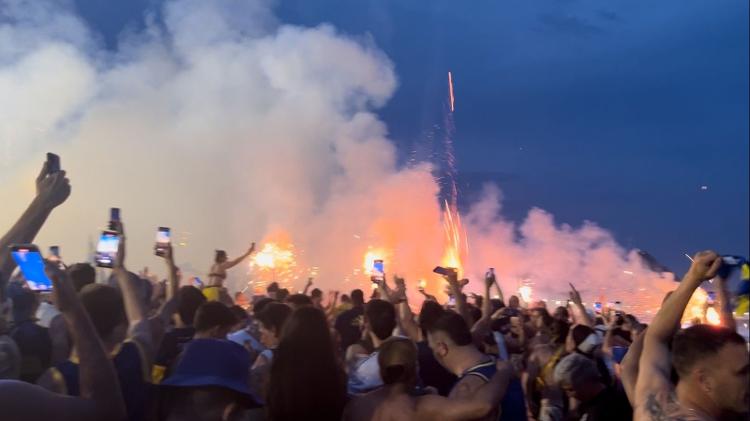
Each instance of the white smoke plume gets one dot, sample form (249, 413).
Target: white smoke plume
(231, 127)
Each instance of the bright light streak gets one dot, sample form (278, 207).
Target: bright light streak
(712, 316)
(450, 91)
(525, 293)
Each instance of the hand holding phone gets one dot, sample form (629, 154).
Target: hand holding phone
(30, 261)
(52, 188)
(378, 270)
(53, 163)
(163, 242)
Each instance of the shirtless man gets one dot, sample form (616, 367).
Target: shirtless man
(393, 401)
(712, 361)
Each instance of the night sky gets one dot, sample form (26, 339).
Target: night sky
(616, 112)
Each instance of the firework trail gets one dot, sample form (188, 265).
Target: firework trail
(457, 243)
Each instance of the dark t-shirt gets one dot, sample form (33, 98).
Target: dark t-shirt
(171, 347)
(610, 405)
(348, 328)
(35, 346)
(431, 372)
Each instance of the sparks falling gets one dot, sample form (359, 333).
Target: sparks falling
(450, 92)
(456, 241)
(274, 263)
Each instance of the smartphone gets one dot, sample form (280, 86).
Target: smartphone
(31, 263)
(162, 241)
(54, 251)
(53, 163)
(598, 307)
(106, 249)
(444, 271)
(114, 216)
(451, 301)
(378, 269)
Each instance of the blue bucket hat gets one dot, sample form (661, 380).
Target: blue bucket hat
(213, 362)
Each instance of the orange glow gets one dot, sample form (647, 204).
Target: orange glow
(712, 316)
(272, 256)
(275, 262)
(370, 257)
(456, 242)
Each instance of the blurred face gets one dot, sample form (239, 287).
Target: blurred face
(268, 336)
(537, 321)
(726, 378)
(569, 390)
(513, 302)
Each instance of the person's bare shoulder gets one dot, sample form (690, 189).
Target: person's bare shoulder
(396, 408)
(662, 405)
(467, 387)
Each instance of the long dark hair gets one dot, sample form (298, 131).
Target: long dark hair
(306, 381)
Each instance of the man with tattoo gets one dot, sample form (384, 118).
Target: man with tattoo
(711, 361)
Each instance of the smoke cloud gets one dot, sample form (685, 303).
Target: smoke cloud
(230, 127)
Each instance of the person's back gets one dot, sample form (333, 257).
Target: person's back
(347, 323)
(189, 298)
(33, 341)
(397, 400)
(306, 381)
(363, 368)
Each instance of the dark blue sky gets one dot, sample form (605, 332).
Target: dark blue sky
(617, 112)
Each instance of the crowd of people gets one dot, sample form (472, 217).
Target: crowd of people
(135, 349)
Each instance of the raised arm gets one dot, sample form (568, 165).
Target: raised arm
(461, 307)
(653, 385)
(135, 307)
(308, 285)
(405, 316)
(725, 304)
(232, 263)
(629, 374)
(482, 326)
(51, 191)
(173, 284)
(582, 316)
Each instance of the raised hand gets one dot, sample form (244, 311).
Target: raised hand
(575, 296)
(63, 292)
(52, 189)
(120, 258)
(252, 248)
(705, 265)
(489, 279)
